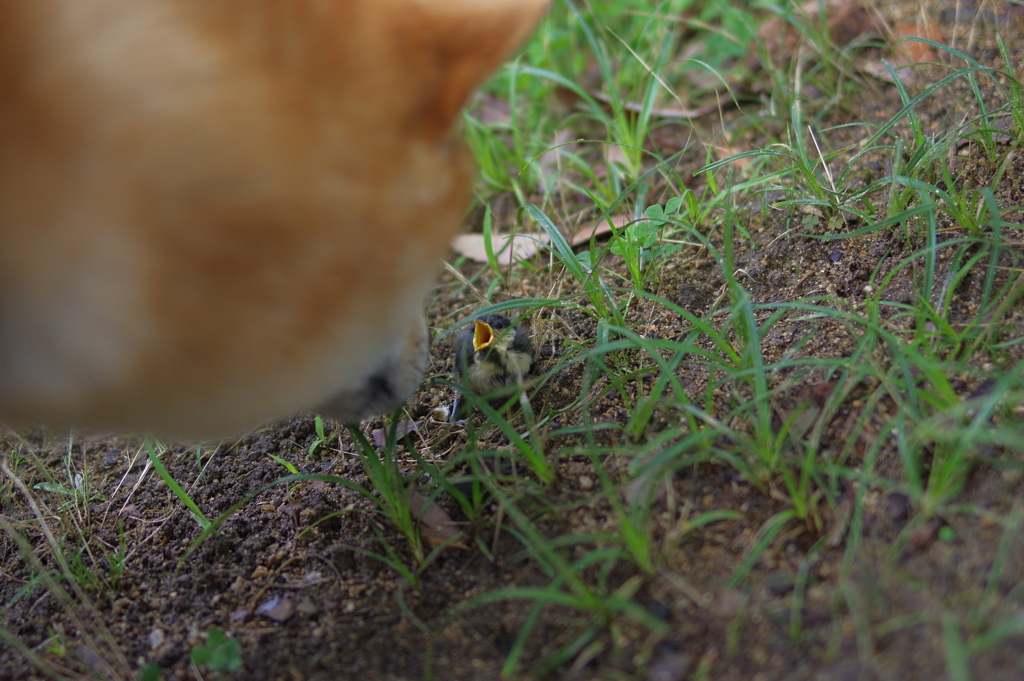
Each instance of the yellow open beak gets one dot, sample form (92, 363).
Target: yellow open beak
(483, 336)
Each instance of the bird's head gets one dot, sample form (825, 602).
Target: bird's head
(489, 340)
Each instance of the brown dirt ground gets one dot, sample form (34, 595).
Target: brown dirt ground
(342, 614)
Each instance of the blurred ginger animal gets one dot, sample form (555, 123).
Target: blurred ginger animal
(218, 212)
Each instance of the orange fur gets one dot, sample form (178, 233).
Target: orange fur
(218, 212)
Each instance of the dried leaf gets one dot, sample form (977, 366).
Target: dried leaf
(548, 163)
(527, 245)
(660, 112)
(846, 19)
(839, 521)
(523, 246)
(615, 154)
(594, 229)
(380, 435)
(492, 110)
(911, 51)
(907, 53)
(645, 487)
(436, 526)
(878, 70)
(727, 150)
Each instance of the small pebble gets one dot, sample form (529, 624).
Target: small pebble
(307, 607)
(669, 666)
(897, 507)
(277, 609)
(778, 583)
(925, 535)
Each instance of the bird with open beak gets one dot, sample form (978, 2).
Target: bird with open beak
(492, 353)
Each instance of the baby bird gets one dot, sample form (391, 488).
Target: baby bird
(492, 353)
